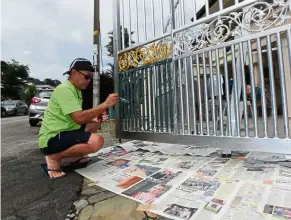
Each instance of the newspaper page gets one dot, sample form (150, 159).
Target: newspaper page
(213, 167)
(284, 172)
(247, 202)
(237, 169)
(158, 159)
(267, 157)
(196, 198)
(175, 149)
(136, 155)
(98, 171)
(105, 169)
(257, 171)
(201, 151)
(260, 201)
(143, 145)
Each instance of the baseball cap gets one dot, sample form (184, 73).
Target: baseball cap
(80, 64)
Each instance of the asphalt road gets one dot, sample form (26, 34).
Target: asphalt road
(27, 194)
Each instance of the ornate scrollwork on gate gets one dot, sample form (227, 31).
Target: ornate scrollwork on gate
(144, 55)
(254, 18)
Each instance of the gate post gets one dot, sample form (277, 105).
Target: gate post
(116, 47)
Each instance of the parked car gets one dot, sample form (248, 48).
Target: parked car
(38, 105)
(13, 107)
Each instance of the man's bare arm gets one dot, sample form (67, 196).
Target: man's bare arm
(86, 116)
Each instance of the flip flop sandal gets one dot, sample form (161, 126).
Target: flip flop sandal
(46, 170)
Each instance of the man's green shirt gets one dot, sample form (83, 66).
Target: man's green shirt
(65, 99)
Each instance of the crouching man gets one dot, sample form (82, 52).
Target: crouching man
(61, 135)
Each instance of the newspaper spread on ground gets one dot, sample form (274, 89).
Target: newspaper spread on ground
(190, 182)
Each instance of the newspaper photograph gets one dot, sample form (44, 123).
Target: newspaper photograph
(146, 191)
(141, 171)
(168, 176)
(119, 182)
(180, 212)
(277, 212)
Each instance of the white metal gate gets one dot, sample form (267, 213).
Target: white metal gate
(213, 72)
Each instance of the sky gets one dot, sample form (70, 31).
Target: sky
(48, 35)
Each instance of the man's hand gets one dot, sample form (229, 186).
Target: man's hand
(96, 120)
(111, 100)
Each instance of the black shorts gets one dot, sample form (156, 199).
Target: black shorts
(65, 140)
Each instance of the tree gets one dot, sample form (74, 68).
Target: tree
(13, 77)
(109, 46)
(48, 81)
(28, 93)
(52, 82)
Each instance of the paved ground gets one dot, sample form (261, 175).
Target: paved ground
(26, 192)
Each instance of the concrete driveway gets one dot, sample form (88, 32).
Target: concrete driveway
(26, 192)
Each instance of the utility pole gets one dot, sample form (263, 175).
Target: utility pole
(96, 53)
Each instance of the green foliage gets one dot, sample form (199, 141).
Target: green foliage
(109, 46)
(28, 93)
(13, 78)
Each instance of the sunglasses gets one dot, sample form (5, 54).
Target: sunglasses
(86, 76)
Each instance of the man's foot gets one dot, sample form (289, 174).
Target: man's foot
(53, 164)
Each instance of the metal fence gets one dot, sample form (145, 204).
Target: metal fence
(212, 73)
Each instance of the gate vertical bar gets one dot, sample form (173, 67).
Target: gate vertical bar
(272, 86)
(129, 17)
(282, 84)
